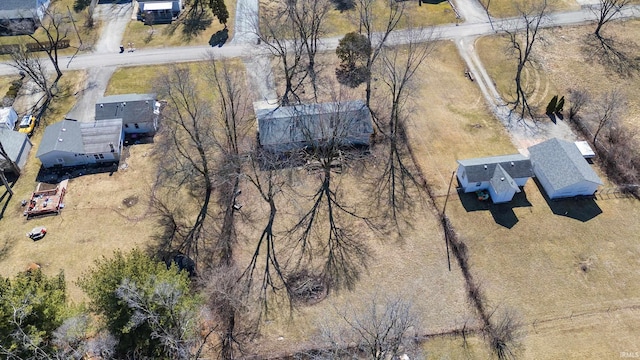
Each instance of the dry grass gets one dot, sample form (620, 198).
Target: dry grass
(507, 8)
(451, 120)
(167, 35)
(563, 63)
(120, 82)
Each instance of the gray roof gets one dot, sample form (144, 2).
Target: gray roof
(502, 182)
(313, 122)
(131, 108)
(12, 142)
(483, 169)
(562, 163)
(62, 136)
(98, 136)
(17, 9)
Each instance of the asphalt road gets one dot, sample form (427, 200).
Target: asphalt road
(196, 53)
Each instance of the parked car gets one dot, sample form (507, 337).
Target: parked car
(27, 124)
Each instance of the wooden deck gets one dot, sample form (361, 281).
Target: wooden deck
(47, 201)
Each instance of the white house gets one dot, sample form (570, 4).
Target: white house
(139, 112)
(502, 175)
(17, 146)
(21, 17)
(71, 143)
(159, 11)
(562, 170)
(8, 118)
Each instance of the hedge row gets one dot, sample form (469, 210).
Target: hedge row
(31, 47)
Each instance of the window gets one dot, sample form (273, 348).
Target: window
(60, 161)
(96, 156)
(101, 156)
(136, 125)
(126, 125)
(478, 183)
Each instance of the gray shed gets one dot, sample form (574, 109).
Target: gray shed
(17, 145)
(289, 128)
(562, 170)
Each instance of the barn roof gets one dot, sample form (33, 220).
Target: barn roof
(64, 136)
(311, 122)
(131, 108)
(483, 169)
(562, 163)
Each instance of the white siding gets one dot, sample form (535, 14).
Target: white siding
(501, 198)
(61, 158)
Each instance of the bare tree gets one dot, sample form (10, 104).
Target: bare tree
(397, 69)
(505, 333)
(276, 31)
(522, 38)
(577, 100)
(325, 229)
(605, 11)
(8, 162)
(377, 29)
(56, 27)
(187, 139)
(381, 329)
(609, 109)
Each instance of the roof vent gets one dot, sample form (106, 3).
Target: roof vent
(124, 104)
(502, 178)
(513, 164)
(60, 139)
(485, 167)
(101, 106)
(64, 129)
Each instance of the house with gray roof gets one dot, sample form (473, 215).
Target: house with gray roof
(562, 170)
(21, 17)
(283, 129)
(17, 146)
(501, 175)
(139, 112)
(72, 143)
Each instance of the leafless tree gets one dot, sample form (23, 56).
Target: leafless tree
(232, 125)
(609, 109)
(577, 100)
(265, 175)
(276, 31)
(325, 229)
(308, 18)
(505, 333)
(235, 319)
(56, 26)
(381, 329)
(605, 11)
(522, 37)
(187, 141)
(377, 28)
(398, 67)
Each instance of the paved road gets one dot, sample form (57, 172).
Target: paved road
(195, 53)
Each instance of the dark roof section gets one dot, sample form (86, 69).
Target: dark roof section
(101, 136)
(313, 122)
(131, 108)
(483, 169)
(62, 136)
(502, 182)
(562, 163)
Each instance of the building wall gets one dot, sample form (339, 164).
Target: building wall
(583, 188)
(501, 198)
(521, 181)
(24, 154)
(143, 128)
(64, 159)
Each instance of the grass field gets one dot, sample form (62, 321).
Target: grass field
(508, 8)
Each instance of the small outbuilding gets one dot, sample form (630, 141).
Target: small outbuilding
(72, 143)
(159, 11)
(17, 146)
(139, 112)
(502, 175)
(8, 118)
(287, 128)
(562, 170)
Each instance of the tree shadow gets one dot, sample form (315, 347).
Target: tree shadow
(195, 23)
(502, 214)
(617, 56)
(219, 38)
(6, 197)
(56, 175)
